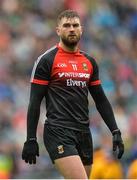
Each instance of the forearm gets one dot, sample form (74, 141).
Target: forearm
(32, 119)
(36, 95)
(106, 112)
(103, 107)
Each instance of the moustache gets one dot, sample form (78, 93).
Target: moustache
(72, 35)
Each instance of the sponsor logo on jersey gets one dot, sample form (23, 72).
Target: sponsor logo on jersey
(61, 65)
(85, 66)
(71, 82)
(60, 149)
(74, 74)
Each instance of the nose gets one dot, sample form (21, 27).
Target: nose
(71, 28)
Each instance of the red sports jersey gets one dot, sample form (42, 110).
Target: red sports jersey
(68, 76)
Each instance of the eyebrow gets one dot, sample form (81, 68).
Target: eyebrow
(69, 24)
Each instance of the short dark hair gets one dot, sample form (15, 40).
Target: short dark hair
(68, 14)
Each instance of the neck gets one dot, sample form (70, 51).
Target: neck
(66, 48)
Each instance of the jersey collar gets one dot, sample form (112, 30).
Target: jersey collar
(60, 48)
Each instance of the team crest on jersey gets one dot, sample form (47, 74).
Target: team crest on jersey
(60, 149)
(85, 66)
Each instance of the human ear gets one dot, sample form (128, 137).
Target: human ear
(81, 30)
(58, 31)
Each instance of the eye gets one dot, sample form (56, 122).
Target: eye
(76, 25)
(66, 25)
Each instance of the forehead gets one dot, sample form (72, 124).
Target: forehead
(73, 20)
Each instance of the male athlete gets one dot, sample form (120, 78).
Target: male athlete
(64, 75)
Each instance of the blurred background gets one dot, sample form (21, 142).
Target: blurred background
(27, 29)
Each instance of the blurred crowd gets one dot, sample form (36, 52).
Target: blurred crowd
(27, 29)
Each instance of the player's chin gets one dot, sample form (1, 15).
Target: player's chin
(72, 43)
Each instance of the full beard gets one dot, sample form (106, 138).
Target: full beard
(70, 42)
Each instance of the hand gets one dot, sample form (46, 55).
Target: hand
(30, 151)
(118, 145)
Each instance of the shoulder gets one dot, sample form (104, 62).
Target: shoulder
(89, 57)
(48, 55)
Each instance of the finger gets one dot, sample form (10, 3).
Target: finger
(26, 160)
(121, 151)
(30, 161)
(23, 156)
(120, 154)
(34, 160)
(114, 147)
